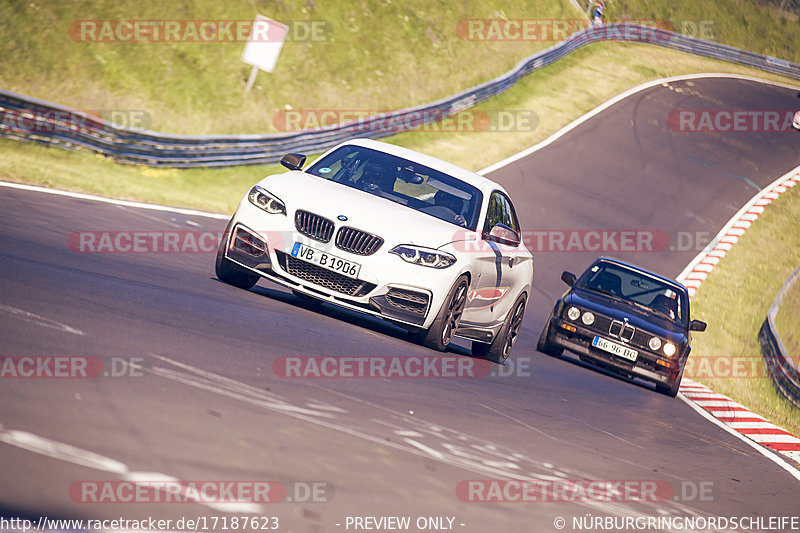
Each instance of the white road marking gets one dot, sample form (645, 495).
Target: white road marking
(62, 452)
(38, 320)
(126, 203)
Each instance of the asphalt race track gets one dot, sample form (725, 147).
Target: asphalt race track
(206, 404)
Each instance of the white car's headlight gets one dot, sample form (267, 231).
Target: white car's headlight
(423, 256)
(263, 199)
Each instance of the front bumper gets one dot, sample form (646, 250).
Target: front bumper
(410, 298)
(580, 342)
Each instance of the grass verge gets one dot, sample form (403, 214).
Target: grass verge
(788, 322)
(557, 94)
(736, 297)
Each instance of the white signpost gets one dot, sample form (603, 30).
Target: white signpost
(263, 46)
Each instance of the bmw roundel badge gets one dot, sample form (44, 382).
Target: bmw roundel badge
(342, 218)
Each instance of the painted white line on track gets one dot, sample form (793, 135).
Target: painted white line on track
(38, 320)
(126, 203)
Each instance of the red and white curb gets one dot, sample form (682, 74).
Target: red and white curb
(742, 419)
(698, 270)
(733, 414)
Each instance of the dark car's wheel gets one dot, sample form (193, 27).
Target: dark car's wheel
(229, 272)
(500, 348)
(546, 344)
(441, 332)
(671, 390)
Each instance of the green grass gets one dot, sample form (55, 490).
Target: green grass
(735, 298)
(375, 55)
(788, 322)
(213, 190)
(757, 26)
(557, 94)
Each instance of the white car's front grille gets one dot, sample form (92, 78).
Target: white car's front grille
(315, 226)
(357, 242)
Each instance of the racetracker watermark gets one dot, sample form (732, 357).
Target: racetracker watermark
(731, 120)
(430, 121)
(196, 31)
(537, 241)
(394, 367)
(51, 121)
(67, 366)
(144, 242)
(734, 367)
(582, 490)
(554, 30)
(557, 30)
(206, 492)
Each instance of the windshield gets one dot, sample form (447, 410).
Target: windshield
(637, 288)
(404, 182)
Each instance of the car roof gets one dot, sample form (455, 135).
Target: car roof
(639, 270)
(476, 180)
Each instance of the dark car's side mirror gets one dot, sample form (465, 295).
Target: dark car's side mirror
(503, 234)
(294, 161)
(568, 278)
(697, 325)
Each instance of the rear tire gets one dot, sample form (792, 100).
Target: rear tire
(500, 348)
(230, 272)
(443, 329)
(546, 344)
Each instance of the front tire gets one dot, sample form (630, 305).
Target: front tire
(671, 390)
(444, 327)
(500, 348)
(230, 272)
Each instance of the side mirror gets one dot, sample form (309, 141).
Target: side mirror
(568, 278)
(503, 234)
(697, 325)
(294, 161)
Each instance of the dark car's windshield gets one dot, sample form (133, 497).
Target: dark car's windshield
(637, 288)
(403, 182)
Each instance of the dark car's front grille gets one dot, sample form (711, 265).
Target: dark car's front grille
(357, 242)
(413, 301)
(621, 330)
(323, 277)
(315, 226)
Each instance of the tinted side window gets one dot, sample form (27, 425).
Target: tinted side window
(500, 211)
(494, 214)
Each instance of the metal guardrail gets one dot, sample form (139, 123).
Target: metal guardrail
(47, 123)
(781, 368)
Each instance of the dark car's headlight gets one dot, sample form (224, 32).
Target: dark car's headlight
(263, 199)
(655, 343)
(669, 349)
(420, 255)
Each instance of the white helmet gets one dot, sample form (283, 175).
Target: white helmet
(796, 121)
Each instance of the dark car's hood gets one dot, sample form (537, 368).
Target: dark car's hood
(620, 310)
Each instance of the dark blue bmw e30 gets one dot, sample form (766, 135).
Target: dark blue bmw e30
(625, 319)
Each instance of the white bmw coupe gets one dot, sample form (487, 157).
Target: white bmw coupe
(390, 232)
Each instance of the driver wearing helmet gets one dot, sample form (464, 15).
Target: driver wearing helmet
(375, 179)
